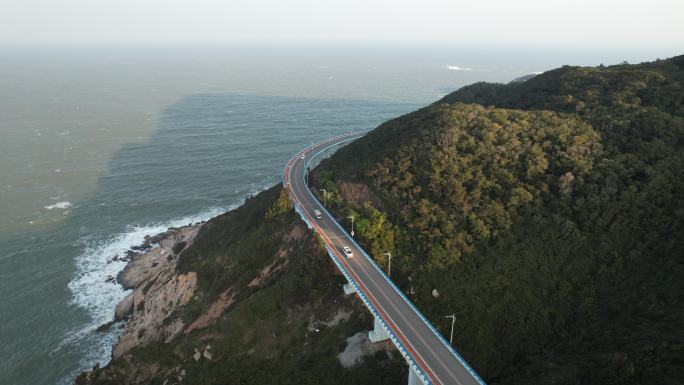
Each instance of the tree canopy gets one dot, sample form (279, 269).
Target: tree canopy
(548, 214)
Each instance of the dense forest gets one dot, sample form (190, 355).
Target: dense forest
(547, 214)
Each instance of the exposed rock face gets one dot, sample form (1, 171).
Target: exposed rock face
(124, 308)
(146, 265)
(158, 291)
(228, 297)
(278, 263)
(147, 320)
(357, 194)
(358, 346)
(217, 308)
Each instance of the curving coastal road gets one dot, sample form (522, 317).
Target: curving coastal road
(438, 362)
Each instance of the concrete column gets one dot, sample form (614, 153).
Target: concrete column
(348, 288)
(378, 333)
(413, 377)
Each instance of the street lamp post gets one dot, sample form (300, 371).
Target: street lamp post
(324, 197)
(453, 319)
(389, 263)
(352, 227)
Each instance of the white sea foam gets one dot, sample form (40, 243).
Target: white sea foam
(59, 205)
(95, 265)
(457, 68)
(98, 297)
(92, 291)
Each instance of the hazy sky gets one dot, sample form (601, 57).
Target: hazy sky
(530, 22)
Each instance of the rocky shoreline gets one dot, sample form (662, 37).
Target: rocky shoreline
(275, 301)
(157, 289)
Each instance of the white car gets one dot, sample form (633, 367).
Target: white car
(317, 214)
(348, 252)
(303, 156)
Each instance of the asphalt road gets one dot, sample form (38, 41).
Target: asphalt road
(431, 353)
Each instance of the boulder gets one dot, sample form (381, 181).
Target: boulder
(104, 327)
(124, 308)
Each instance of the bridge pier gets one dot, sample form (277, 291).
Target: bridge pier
(378, 333)
(413, 377)
(348, 288)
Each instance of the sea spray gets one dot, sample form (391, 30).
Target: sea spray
(94, 287)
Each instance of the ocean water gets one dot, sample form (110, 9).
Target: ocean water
(100, 146)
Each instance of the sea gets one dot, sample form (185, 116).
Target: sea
(103, 145)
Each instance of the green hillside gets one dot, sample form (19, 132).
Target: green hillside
(549, 217)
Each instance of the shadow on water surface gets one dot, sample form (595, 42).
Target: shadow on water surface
(209, 153)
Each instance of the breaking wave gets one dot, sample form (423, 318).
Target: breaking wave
(59, 205)
(457, 68)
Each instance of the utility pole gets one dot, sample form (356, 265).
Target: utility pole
(324, 197)
(453, 319)
(352, 219)
(389, 264)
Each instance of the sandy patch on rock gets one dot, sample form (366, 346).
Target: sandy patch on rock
(359, 346)
(217, 308)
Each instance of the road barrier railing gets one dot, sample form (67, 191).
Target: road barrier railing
(395, 340)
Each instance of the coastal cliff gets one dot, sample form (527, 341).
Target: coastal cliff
(157, 292)
(249, 295)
